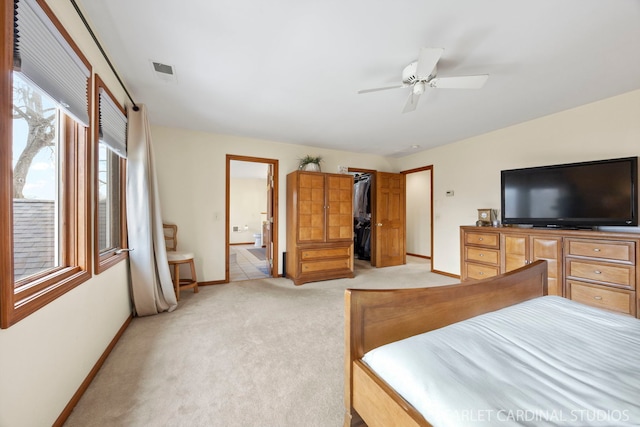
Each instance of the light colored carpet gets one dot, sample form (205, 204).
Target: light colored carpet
(254, 353)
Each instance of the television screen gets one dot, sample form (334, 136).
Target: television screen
(583, 194)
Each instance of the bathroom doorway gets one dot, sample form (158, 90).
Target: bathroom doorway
(251, 218)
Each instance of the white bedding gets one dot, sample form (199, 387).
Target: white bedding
(545, 362)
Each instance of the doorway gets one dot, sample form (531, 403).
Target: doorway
(363, 182)
(419, 190)
(251, 218)
(413, 235)
(386, 216)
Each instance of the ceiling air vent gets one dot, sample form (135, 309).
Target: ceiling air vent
(164, 72)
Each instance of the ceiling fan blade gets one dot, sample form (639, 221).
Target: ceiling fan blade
(429, 57)
(381, 88)
(460, 82)
(412, 103)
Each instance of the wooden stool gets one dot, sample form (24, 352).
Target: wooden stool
(176, 259)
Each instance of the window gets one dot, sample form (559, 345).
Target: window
(108, 204)
(110, 149)
(36, 174)
(44, 204)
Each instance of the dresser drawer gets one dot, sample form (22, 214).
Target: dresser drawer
(605, 249)
(615, 274)
(478, 271)
(490, 256)
(320, 253)
(488, 240)
(603, 297)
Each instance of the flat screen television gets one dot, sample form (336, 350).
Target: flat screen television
(574, 195)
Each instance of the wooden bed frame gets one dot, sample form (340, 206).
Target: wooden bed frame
(377, 317)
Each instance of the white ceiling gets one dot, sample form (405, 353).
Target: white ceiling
(289, 70)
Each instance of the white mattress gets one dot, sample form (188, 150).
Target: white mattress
(544, 362)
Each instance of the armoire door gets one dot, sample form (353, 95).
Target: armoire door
(311, 207)
(389, 223)
(339, 208)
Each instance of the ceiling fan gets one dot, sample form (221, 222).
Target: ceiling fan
(422, 73)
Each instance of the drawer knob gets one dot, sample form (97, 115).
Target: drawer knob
(481, 239)
(596, 249)
(481, 273)
(480, 254)
(597, 271)
(598, 297)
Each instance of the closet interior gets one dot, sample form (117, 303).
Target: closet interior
(362, 215)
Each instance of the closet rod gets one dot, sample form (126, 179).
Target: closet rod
(95, 39)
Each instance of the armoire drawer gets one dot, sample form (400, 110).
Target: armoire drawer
(325, 265)
(603, 297)
(321, 253)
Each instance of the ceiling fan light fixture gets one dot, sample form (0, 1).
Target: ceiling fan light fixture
(423, 73)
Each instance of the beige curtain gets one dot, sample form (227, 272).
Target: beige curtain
(151, 287)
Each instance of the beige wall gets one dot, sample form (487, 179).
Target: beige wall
(45, 357)
(191, 177)
(418, 188)
(471, 168)
(606, 129)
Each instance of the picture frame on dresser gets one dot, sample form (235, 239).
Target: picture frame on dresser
(484, 217)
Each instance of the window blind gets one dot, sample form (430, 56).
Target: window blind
(113, 125)
(45, 57)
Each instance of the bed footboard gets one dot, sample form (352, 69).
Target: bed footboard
(377, 317)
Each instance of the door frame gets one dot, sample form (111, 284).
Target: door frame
(422, 169)
(274, 225)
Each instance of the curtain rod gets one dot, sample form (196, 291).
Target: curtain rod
(95, 39)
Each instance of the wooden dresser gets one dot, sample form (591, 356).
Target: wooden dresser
(319, 226)
(594, 267)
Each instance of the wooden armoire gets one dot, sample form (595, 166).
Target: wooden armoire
(319, 226)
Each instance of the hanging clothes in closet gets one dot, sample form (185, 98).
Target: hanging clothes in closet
(362, 216)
